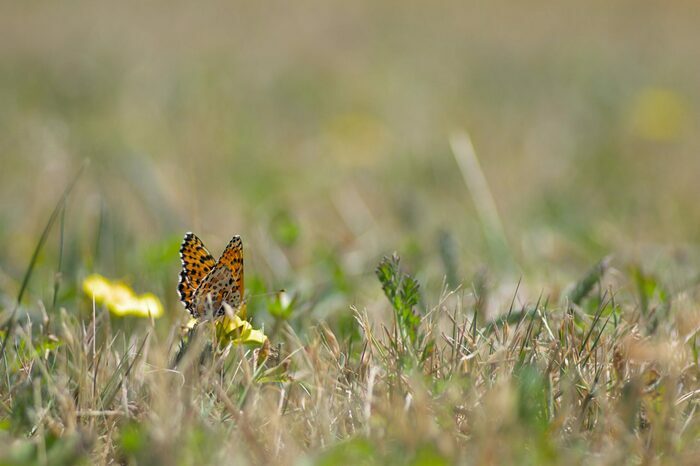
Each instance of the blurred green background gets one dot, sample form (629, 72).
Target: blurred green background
(320, 132)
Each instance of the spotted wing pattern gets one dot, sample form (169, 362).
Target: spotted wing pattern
(196, 264)
(224, 284)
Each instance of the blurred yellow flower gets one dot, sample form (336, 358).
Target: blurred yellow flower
(120, 299)
(658, 114)
(355, 139)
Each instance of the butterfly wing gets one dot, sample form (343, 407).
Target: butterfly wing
(224, 284)
(196, 264)
(232, 259)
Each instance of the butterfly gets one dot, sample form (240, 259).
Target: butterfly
(205, 284)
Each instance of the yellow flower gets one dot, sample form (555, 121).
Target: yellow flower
(233, 330)
(238, 331)
(120, 299)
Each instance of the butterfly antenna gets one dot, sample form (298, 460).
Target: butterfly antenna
(269, 293)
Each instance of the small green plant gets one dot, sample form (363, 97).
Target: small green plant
(281, 305)
(401, 289)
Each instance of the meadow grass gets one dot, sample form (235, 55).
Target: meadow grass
(594, 375)
(542, 305)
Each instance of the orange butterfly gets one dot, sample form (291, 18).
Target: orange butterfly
(206, 284)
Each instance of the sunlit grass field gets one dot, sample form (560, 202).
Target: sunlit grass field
(470, 232)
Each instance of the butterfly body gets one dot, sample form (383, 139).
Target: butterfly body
(205, 284)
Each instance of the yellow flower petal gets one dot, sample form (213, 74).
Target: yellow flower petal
(119, 295)
(254, 337)
(229, 325)
(120, 299)
(145, 306)
(238, 331)
(96, 286)
(152, 305)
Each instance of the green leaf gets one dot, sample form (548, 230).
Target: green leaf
(654, 299)
(583, 287)
(402, 291)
